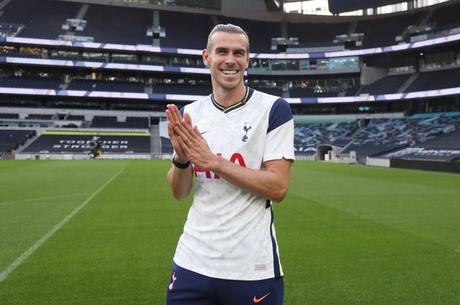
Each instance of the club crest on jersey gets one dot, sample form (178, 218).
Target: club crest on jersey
(246, 129)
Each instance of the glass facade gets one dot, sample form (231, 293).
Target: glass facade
(321, 7)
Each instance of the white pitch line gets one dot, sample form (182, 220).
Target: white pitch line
(41, 199)
(20, 259)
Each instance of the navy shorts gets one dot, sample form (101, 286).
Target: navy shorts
(190, 288)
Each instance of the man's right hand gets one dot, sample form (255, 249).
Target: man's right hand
(174, 117)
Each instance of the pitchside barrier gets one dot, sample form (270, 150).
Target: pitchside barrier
(432, 165)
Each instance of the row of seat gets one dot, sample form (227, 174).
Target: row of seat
(380, 135)
(431, 80)
(96, 122)
(12, 139)
(43, 19)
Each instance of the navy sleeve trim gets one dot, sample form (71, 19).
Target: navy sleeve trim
(181, 110)
(279, 114)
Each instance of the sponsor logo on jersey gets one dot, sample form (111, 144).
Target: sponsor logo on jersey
(236, 158)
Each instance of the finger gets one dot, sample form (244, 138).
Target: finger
(169, 116)
(197, 132)
(170, 130)
(172, 117)
(175, 114)
(173, 138)
(189, 128)
(188, 119)
(186, 128)
(183, 133)
(183, 146)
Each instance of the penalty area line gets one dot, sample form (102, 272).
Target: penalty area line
(24, 256)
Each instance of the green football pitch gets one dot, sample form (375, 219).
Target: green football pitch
(104, 232)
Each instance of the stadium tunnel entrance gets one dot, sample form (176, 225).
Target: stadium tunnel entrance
(323, 152)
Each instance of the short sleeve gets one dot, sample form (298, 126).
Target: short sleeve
(279, 142)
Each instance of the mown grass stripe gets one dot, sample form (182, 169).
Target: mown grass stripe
(24, 256)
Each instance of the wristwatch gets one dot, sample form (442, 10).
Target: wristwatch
(180, 165)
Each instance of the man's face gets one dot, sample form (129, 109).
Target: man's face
(227, 59)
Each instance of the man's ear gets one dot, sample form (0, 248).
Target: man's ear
(205, 56)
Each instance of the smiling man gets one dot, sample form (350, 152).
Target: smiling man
(237, 144)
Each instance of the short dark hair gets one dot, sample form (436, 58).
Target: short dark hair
(227, 28)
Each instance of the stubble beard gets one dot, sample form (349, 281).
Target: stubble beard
(227, 85)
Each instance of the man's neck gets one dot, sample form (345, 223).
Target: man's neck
(227, 98)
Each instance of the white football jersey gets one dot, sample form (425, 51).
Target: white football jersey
(229, 233)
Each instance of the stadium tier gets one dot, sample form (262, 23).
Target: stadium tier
(382, 136)
(79, 143)
(436, 80)
(36, 22)
(12, 139)
(86, 215)
(387, 84)
(71, 62)
(9, 116)
(22, 82)
(91, 85)
(445, 147)
(111, 122)
(309, 136)
(40, 19)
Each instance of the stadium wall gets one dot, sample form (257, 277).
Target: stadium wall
(378, 162)
(440, 166)
(81, 157)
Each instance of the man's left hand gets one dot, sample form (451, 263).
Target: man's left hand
(193, 144)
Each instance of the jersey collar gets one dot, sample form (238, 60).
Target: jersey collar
(241, 103)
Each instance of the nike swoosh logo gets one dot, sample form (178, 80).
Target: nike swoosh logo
(256, 300)
(203, 132)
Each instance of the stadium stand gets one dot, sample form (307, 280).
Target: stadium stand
(175, 37)
(270, 90)
(445, 17)
(386, 85)
(314, 34)
(12, 139)
(119, 24)
(137, 122)
(35, 16)
(445, 147)
(112, 122)
(73, 117)
(114, 86)
(166, 147)
(383, 31)
(182, 89)
(382, 136)
(9, 116)
(309, 81)
(260, 32)
(79, 144)
(23, 82)
(436, 80)
(307, 136)
(39, 117)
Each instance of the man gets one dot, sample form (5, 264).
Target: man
(238, 143)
